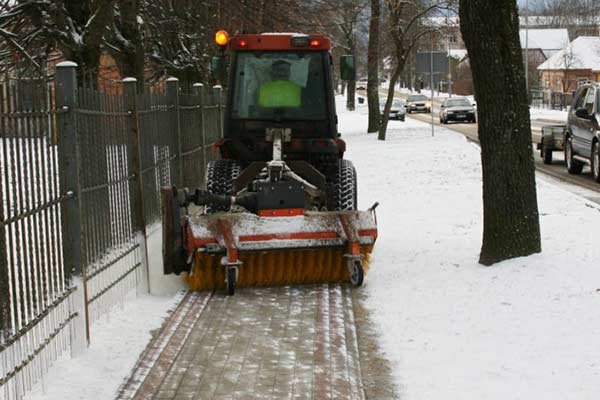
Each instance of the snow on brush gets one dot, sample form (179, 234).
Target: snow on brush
(526, 328)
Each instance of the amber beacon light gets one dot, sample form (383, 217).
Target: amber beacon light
(222, 38)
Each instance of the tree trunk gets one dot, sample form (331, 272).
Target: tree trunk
(510, 213)
(372, 65)
(351, 95)
(385, 118)
(131, 60)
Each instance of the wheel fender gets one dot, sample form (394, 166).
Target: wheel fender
(341, 144)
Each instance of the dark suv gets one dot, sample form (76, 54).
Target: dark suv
(457, 109)
(583, 131)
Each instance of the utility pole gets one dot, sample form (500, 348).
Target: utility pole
(431, 83)
(449, 76)
(527, 48)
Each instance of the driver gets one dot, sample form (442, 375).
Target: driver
(280, 92)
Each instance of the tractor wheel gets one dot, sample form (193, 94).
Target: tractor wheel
(342, 188)
(357, 274)
(220, 175)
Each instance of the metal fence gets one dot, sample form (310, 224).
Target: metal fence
(36, 308)
(80, 175)
(548, 99)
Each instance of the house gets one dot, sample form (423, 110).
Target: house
(538, 45)
(578, 62)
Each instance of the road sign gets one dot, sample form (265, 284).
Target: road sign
(440, 62)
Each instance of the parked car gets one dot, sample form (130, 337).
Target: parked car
(397, 111)
(361, 84)
(582, 135)
(416, 103)
(551, 141)
(457, 109)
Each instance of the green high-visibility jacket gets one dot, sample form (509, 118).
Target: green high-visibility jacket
(278, 94)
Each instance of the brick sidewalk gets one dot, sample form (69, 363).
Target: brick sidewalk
(266, 343)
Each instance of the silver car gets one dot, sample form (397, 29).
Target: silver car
(397, 111)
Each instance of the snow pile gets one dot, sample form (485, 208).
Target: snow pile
(117, 342)
(523, 329)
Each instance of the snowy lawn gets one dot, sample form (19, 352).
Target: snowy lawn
(551, 115)
(527, 328)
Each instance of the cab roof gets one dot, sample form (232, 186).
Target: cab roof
(279, 41)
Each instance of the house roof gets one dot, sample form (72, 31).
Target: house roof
(549, 41)
(457, 53)
(581, 53)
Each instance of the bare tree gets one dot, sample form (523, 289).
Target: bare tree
(511, 221)
(347, 20)
(373, 68)
(569, 60)
(124, 39)
(179, 34)
(75, 27)
(580, 17)
(406, 28)
(179, 38)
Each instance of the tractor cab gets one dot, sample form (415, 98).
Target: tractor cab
(282, 81)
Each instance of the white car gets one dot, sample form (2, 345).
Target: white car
(361, 84)
(397, 111)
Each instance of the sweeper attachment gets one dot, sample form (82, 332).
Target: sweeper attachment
(279, 207)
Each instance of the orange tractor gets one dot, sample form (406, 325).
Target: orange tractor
(280, 206)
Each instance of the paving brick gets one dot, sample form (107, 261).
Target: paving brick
(280, 343)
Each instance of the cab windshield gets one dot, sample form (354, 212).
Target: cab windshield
(279, 85)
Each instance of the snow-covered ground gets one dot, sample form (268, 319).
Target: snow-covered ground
(523, 329)
(546, 114)
(527, 328)
(118, 339)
